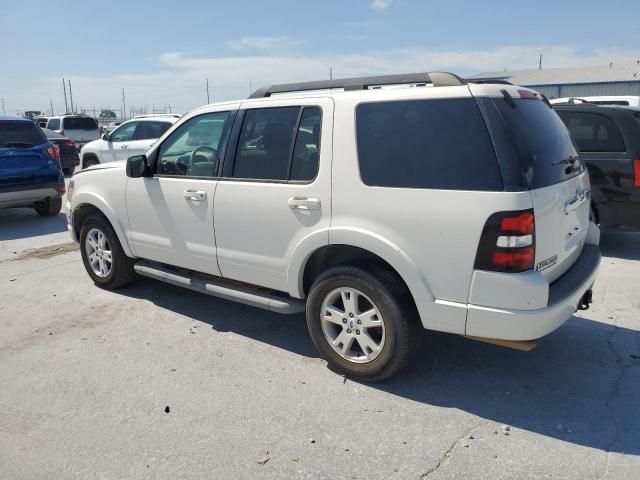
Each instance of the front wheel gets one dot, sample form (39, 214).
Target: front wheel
(102, 255)
(49, 207)
(363, 323)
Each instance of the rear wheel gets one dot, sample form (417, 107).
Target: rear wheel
(49, 207)
(363, 323)
(102, 255)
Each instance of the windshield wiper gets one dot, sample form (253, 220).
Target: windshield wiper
(18, 145)
(567, 161)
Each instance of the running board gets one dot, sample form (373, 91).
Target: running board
(228, 291)
(522, 345)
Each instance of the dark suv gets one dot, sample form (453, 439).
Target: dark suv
(609, 141)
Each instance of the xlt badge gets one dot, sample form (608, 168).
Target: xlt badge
(547, 263)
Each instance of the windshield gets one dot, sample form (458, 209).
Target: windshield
(547, 153)
(79, 123)
(20, 135)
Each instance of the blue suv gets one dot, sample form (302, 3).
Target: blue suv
(30, 172)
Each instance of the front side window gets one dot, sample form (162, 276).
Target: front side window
(193, 148)
(264, 147)
(437, 143)
(592, 132)
(124, 133)
(149, 130)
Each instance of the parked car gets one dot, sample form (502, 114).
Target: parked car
(628, 100)
(456, 207)
(41, 121)
(608, 138)
(30, 173)
(133, 137)
(69, 157)
(79, 128)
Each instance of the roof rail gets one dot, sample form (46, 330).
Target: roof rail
(489, 81)
(437, 79)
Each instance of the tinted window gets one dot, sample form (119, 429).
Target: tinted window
(541, 141)
(124, 133)
(54, 124)
(426, 144)
(593, 133)
(20, 134)
(79, 123)
(193, 148)
(265, 142)
(148, 130)
(306, 152)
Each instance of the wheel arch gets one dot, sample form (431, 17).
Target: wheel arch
(89, 155)
(85, 204)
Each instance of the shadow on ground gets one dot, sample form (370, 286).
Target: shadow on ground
(580, 385)
(20, 223)
(623, 244)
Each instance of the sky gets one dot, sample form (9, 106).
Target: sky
(162, 52)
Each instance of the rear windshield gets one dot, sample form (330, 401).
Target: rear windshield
(79, 123)
(437, 143)
(20, 135)
(547, 153)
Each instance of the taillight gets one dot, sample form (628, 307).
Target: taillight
(61, 132)
(54, 152)
(636, 173)
(507, 243)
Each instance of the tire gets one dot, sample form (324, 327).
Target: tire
(68, 171)
(593, 216)
(385, 291)
(49, 207)
(91, 161)
(115, 274)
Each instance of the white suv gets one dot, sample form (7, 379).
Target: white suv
(379, 211)
(130, 138)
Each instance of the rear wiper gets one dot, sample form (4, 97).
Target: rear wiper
(18, 144)
(567, 161)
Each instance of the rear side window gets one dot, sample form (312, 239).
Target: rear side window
(541, 140)
(79, 123)
(147, 130)
(265, 142)
(20, 135)
(593, 132)
(439, 144)
(54, 124)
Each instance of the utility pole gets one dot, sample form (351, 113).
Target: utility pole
(540, 63)
(124, 105)
(330, 73)
(64, 88)
(51, 103)
(73, 110)
(208, 102)
(4, 112)
(250, 89)
(169, 108)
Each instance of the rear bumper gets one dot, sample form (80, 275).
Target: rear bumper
(26, 197)
(564, 297)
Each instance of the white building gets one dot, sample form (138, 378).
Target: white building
(612, 79)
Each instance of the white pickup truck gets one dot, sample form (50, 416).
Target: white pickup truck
(379, 212)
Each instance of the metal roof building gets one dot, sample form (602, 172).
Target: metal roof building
(612, 79)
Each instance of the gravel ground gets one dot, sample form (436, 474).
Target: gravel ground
(156, 382)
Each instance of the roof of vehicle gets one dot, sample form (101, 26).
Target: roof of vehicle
(158, 115)
(71, 115)
(5, 118)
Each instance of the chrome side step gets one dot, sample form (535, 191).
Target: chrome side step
(228, 291)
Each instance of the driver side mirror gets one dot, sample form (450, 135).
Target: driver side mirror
(105, 137)
(137, 166)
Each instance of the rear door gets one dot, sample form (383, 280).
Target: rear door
(609, 160)
(277, 188)
(556, 177)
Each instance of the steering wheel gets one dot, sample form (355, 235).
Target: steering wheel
(212, 151)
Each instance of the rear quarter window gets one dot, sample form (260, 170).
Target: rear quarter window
(436, 143)
(79, 123)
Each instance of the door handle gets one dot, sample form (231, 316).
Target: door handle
(196, 195)
(124, 146)
(304, 203)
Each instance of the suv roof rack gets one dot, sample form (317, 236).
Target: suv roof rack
(483, 81)
(437, 79)
(575, 101)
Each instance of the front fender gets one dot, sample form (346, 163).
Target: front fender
(99, 202)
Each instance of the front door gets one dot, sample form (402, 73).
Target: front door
(171, 212)
(117, 147)
(277, 191)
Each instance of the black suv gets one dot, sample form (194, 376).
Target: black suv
(609, 141)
